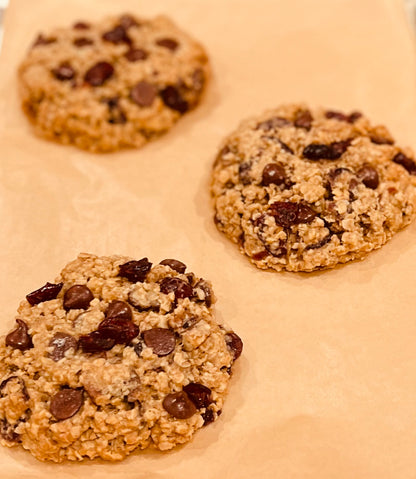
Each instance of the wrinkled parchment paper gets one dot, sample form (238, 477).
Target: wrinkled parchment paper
(326, 386)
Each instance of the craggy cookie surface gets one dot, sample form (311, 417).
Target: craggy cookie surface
(114, 84)
(303, 189)
(117, 354)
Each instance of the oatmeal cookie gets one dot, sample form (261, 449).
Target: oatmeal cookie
(115, 355)
(301, 189)
(117, 83)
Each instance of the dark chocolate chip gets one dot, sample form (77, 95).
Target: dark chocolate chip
(119, 309)
(273, 174)
(117, 35)
(19, 338)
(206, 288)
(208, 416)
(143, 93)
(82, 42)
(168, 43)
(41, 40)
(95, 342)
(175, 265)
(276, 122)
(369, 176)
(406, 162)
(161, 340)
(181, 288)
(285, 147)
(78, 296)
(173, 99)
(354, 116)
(336, 115)
(99, 73)
(121, 330)
(138, 348)
(136, 54)
(127, 21)
(303, 119)
(7, 432)
(81, 26)
(61, 343)
(333, 151)
(64, 72)
(235, 344)
(244, 172)
(287, 214)
(179, 405)
(135, 271)
(381, 140)
(200, 395)
(45, 293)
(66, 403)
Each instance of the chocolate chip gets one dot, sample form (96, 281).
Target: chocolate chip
(99, 73)
(121, 330)
(41, 40)
(45, 293)
(78, 296)
(138, 348)
(179, 405)
(354, 116)
(336, 115)
(173, 99)
(235, 344)
(200, 395)
(117, 35)
(244, 172)
(303, 119)
(135, 271)
(66, 403)
(95, 342)
(406, 162)
(64, 72)
(287, 214)
(61, 343)
(127, 21)
(333, 151)
(273, 174)
(7, 431)
(285, 147)
(143, 93)
(136, 54)
(168, 43)
(175, 265)
(272, 123)
(208, 416)
(181, 288)
(161, 340)
(82, 42)
(119, 309)
(206, 288)
(81, 26)
(369, 176)
(19, 338)
(380, 140)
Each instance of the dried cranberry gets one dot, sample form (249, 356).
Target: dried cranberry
(45, 293)
(179, 405)
(121, 330)
(336, 115)
(333, 151)
(135, 271)
(19, 338)
(99, 73)
(273, 174)
(175, 265)
(287, 214)
(181, 288)
(95, 342)
(117, 35)
(169, 43)
(235, 344)
(208, 416)
(303, 119)
(173, 99)
(260, 255)
(406, 162)
(200, 395)
(369, 176)
(119, 309)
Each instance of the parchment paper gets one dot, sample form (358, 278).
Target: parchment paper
(326, 386)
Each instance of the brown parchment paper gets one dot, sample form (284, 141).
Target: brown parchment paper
(326, 386)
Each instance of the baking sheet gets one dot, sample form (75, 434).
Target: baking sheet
(326, 384)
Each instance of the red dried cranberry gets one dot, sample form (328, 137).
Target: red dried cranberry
(45, 293)
(181, 288)
(95, 342)
(117, 35)
(175, 265)
(333, 151)
(121, 330)
(135, 271)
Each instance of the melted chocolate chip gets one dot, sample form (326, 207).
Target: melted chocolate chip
(64, 72)
(117, 35)
(19, 338)
(143, 93)
(161, 340)
(235, 345)
(287, 214)
(333, 151)
(82, 42)
(303, 119)
(200, 395)
(273, 174)
(66, 403)
(45, 293)
(95, 342)
(181, 288)
(61, 343)
(406, 162)
(179, 405)
(168, 43)
(119, 309)
(173, 99)
(272, 123)
(135, 271)
(78, 296)
(175, 265)
(136, 54)
(369, 176)
(99, 73)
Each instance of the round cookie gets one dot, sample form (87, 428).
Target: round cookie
(115, 355)
(301, 189)
(113, 84)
